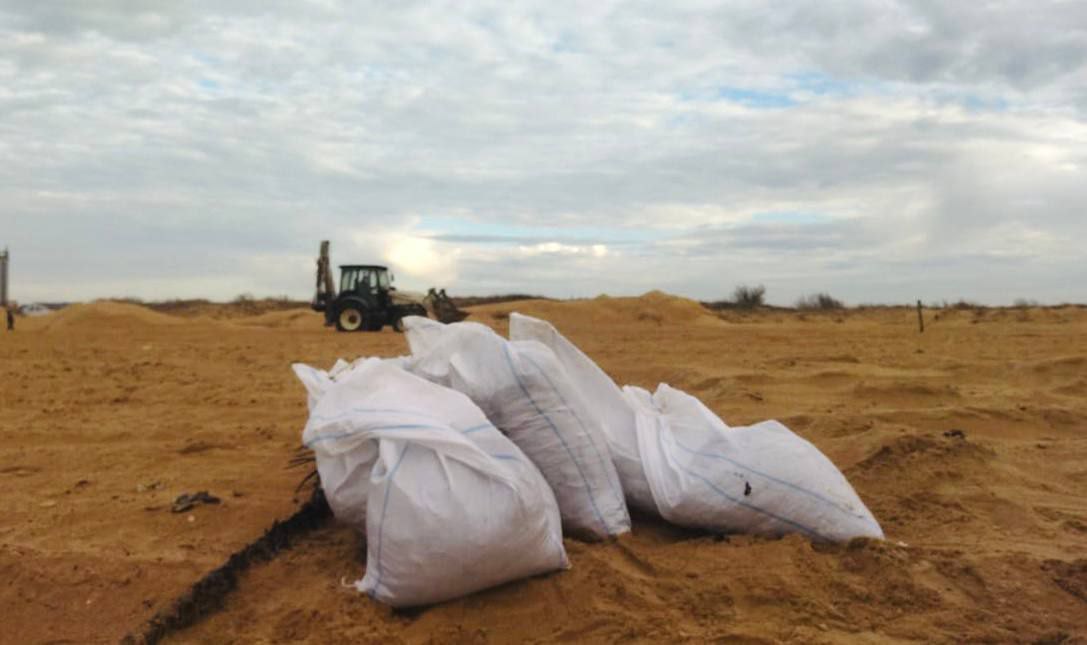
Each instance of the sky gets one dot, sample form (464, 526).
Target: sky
(880, 151)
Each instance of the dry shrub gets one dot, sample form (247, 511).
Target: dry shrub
(743, 297)
(822, 300)
(748, 297)
(472, 301)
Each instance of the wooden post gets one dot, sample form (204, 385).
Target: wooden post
(920, 318)
(326, 289)
(4, 278)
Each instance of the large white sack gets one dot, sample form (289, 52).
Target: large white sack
(342, 475)
(524, 391)
(762, 479)
(433, 345)
(315, 381)
(608, 404)
(449, 505)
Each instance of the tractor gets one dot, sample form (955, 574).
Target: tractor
(367, 300)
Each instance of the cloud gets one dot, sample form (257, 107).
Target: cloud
(502, 148)
(559, 249)
(420, 259)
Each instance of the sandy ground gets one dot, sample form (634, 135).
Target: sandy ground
(110, 411)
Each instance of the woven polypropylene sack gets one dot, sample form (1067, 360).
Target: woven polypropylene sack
(449, 505)
(525, 392)
(614, 412)
(761, 479)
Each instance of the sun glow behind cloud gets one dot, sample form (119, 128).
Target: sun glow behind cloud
(420, 260)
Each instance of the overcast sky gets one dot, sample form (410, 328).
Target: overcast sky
(882, 151)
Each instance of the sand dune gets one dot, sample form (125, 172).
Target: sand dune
(653, 308)
(100, 314)
(967, 442)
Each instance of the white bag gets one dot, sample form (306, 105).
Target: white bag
(700, 473)
(449, 505)
(761, 479)
(523, 390)
(609, 405)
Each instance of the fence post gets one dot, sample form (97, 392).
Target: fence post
(4, 278)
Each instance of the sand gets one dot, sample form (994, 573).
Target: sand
(110, 411)
(113, 315)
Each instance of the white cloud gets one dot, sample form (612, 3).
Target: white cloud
(421, 259)
(550, 248)
(157, 144)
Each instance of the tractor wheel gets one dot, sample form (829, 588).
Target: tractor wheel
(350, 319)
(398, 324)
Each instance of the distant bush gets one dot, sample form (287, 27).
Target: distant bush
(743, 297)
(177, 305)
(819, 301)
(868, 306)
(471, 301)
(748, 297)
(961, 303)
(1024, 303)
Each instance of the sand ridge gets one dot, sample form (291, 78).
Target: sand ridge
(652, 308)
(102, 313)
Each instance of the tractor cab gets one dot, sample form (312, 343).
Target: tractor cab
(366, 281)
(365, 300)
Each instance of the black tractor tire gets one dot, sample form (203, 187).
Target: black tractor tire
(398, 324)
(350, 318)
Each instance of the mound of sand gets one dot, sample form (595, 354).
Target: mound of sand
(654, 308)
(105, 314)
(289, 319)
(102, 314)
